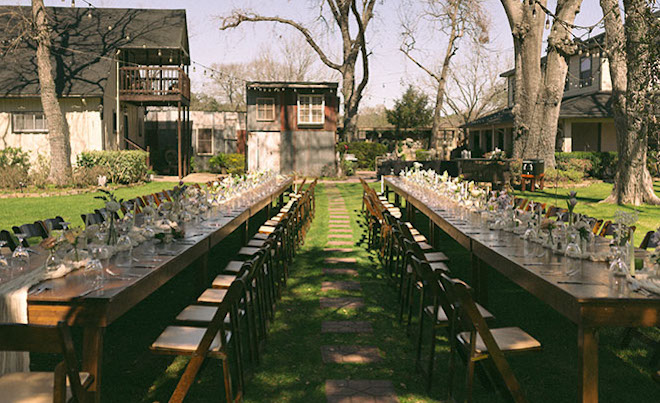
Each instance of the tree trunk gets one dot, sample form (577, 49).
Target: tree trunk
(538, 92)
(58, 130)
(630, 69)
(350, 105)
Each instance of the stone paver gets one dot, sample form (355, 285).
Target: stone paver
(339, 222)
(339, 260)
(346, 326)
(335, 225)
(337, 303)
(339, 243)
(339, 217)
(343, 236)
(340, 286)
(350, 354)
(344, 230)
(360, 391)
(339, 270)
(341, 250)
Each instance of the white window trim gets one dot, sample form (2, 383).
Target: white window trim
(273, 105)
(18, 131)
(197, 142)
(322, 122)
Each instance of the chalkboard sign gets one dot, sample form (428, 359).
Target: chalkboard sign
(533, 167)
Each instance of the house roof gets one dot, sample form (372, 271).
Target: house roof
(594, 105)
(84, 44)
(292, 84)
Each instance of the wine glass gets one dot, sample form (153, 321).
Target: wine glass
(4, 263)
(21, 256)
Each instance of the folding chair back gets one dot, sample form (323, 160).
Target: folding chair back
(6, 236)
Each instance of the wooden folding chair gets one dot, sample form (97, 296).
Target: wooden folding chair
(482, 343)
(6, 236)
(53, 223)
(42, 387)
(33, 230)
(213, 342)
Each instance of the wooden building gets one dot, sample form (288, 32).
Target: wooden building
(292, 127)
(110, 65)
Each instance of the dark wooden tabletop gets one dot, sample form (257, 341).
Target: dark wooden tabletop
(579, 289)
(75, 297)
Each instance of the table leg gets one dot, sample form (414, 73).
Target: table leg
(387, 192)
(246, 231)
(92, 358)
(479, 280)
(431, 233)
(268, 207)
(588, 364)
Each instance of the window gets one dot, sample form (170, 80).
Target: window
(585, 72)
(311, 110)
(266, 109)
(29, 122)
(204, 141)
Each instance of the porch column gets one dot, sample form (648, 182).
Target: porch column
(567, 143)
(179, 140)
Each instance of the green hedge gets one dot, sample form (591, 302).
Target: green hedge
(365, 152)
(228, 163)
(122, 166)
(602, 163)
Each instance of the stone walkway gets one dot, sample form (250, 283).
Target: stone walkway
(336, 270)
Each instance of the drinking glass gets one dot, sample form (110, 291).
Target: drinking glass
(4, 263)
(21, 256)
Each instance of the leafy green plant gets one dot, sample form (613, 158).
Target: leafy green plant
(40, 171)
(422, 155)
(15, 157)
(348, 168)
(365, 152)
(228, 163)
(603, 164)
(122, 166)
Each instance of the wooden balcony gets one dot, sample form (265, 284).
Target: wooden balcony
(154, 85)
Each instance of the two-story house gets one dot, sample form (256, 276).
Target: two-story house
(292, 127)
(109, 65)
(585, 121)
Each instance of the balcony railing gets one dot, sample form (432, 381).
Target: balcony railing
(153, 83)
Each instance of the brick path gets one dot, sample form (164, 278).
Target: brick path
(336, 269)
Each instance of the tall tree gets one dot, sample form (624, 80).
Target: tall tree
(539, 89)
(633, 54)
(474, 88)
(411, 110)
(456, 19)
(58, 130)
(346, 14)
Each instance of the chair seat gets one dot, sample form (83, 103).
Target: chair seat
(424, 246)
(223, 280)
(414, 231)
(248, 251)
(32, 387)
(265, 229)
(184, 340)
(260, 236)
(212, 295)
(507, 338)
(409, 225)
(257, 243)
(234, 266)
(419, 238)
(442, 316)
(439, 266)
(271, 223)
(201, 313)
(435, 257)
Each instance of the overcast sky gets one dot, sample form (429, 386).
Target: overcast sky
(390, 70)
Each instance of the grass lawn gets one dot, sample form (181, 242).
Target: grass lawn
(588, 203)
(23, 210)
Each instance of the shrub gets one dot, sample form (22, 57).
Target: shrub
(422, 155)
(40, 171)
(15, 157)
(122, 166)
(561, 175)
(13, 177)
(348, 168)
(653, 162)
(84, 176)
(228, 163)
(365, 152)
(603, 164)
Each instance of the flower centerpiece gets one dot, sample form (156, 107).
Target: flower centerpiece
(112, 205)
(623, 240)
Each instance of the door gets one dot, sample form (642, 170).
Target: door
(264, 151)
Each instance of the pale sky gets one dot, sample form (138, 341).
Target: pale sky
(389, 69)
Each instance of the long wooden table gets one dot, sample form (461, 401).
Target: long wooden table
(75, 299)
(579, 290)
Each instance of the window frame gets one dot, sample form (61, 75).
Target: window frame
(197, 140)
(311, 105)
(32, 130)
(586, 81)
(258, 103)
